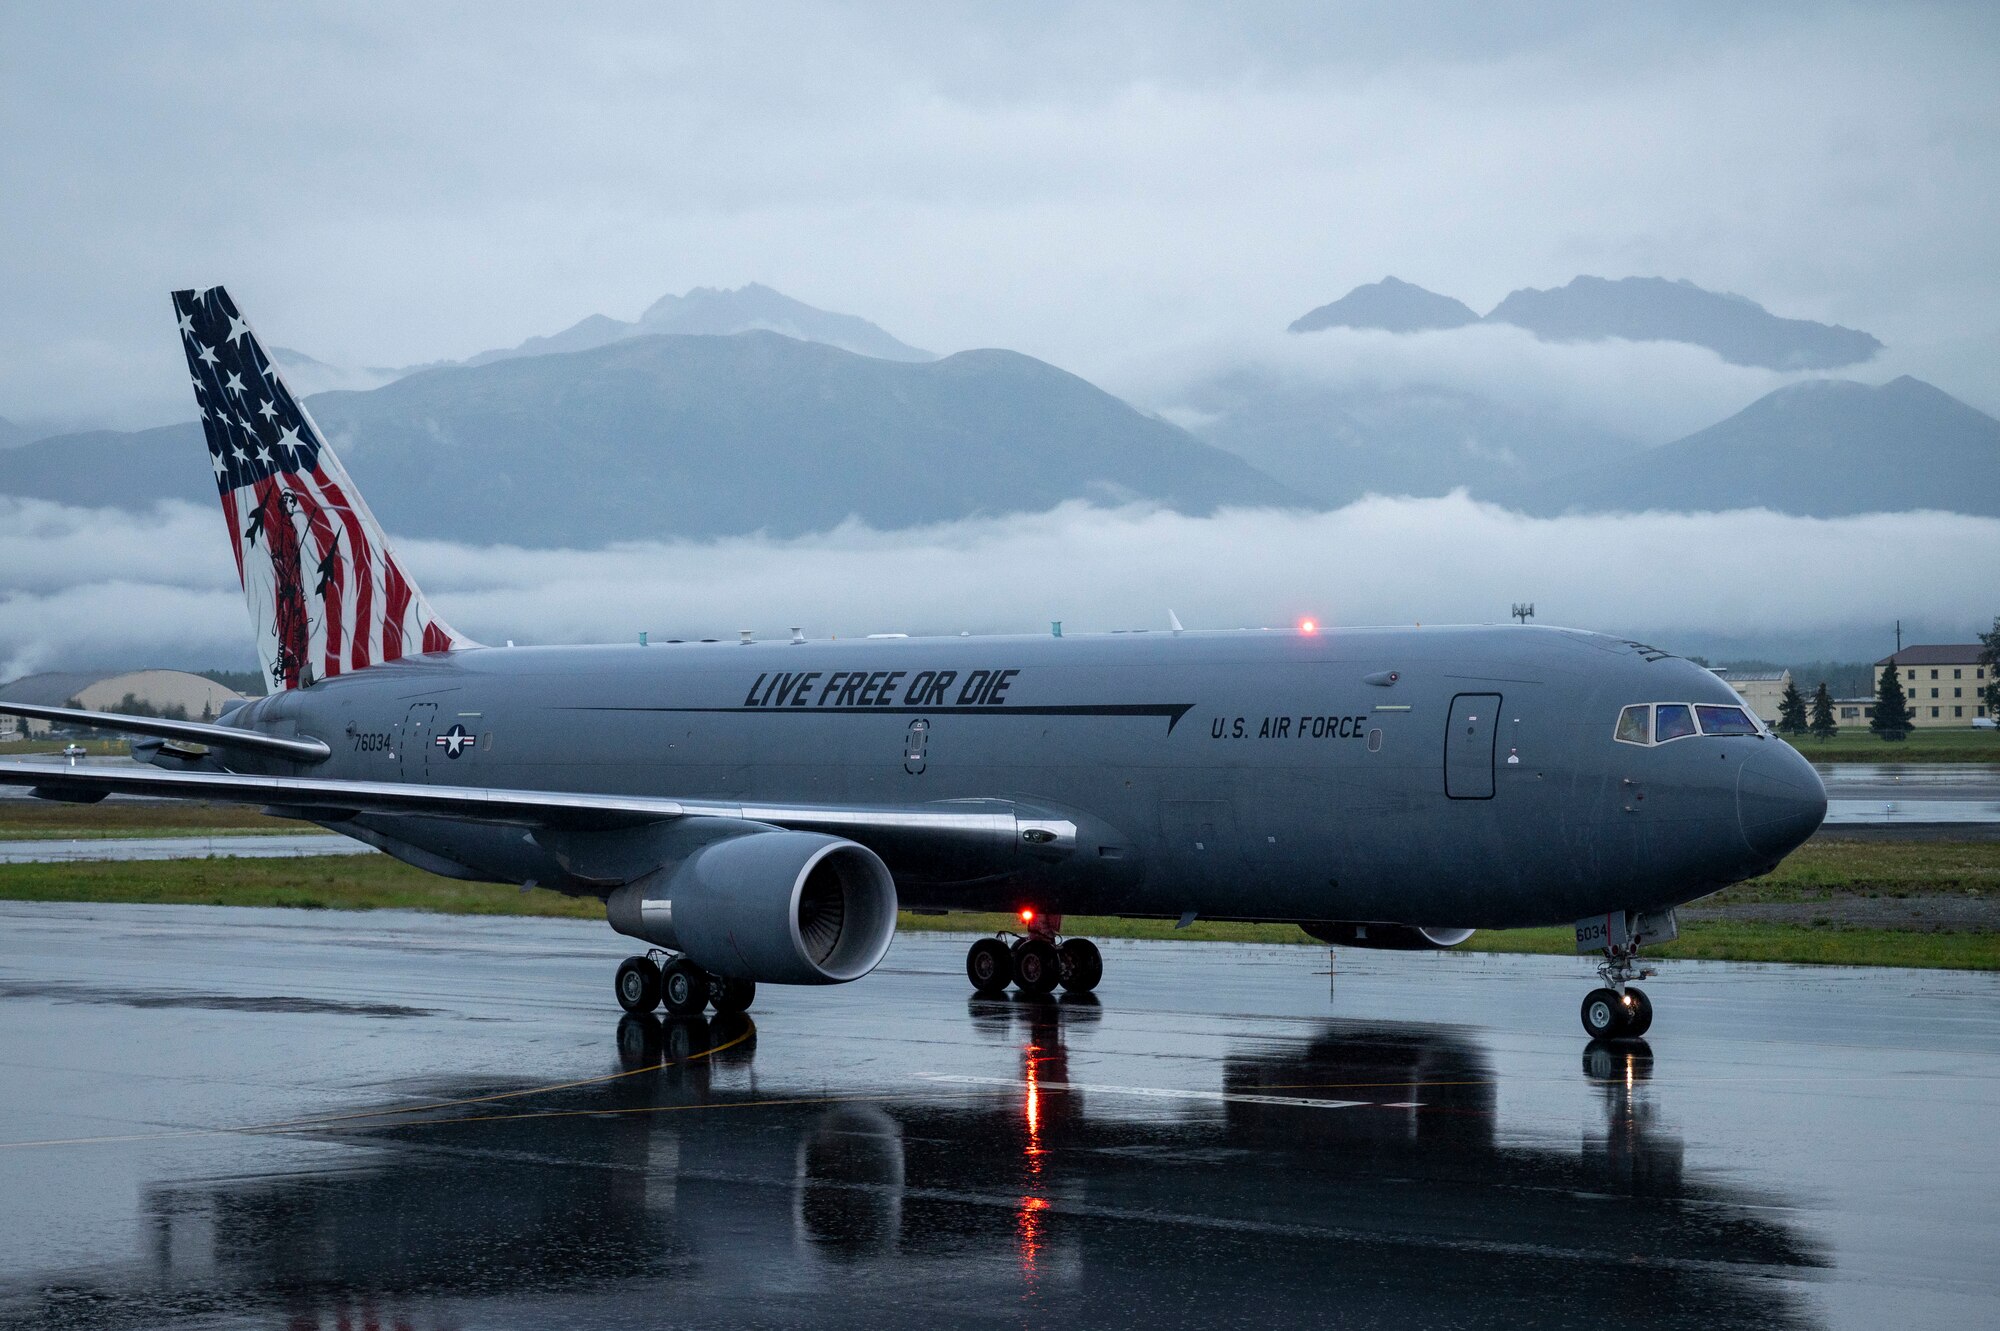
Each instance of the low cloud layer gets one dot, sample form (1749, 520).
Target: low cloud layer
(1651, 392)
(92, 587)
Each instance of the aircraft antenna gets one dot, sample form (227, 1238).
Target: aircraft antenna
(1174, 623)
(1524, 610)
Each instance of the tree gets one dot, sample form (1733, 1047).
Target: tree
(1823, 724)
(1990, 658)
(1792, 709)
(1892, 709)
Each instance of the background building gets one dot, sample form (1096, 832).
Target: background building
(1942, 681)
(1761, 690)
(147, 692)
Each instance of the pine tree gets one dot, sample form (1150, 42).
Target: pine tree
(1990, 658)
(1892, 709)
(1792, 710)
(1823, 724)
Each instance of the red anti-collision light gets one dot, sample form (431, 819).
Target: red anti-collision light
(1308, 626)
(1027, 915)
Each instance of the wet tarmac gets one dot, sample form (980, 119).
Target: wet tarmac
(276, 1118)
(1871, 795)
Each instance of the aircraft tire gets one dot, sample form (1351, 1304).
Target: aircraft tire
(1603, 1015)
(1037, 968)
(1082, 965)
(637, 985)
(683, 988)
(1638, 1017)
(731, 995)
(989, 965)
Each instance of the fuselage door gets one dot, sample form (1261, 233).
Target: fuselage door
(414, 745)
(1468, 746)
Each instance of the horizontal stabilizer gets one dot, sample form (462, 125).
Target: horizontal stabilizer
(185, 732)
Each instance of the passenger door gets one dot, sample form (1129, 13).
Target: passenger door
(1469, 738)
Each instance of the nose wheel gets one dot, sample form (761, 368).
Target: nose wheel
(1610, 1015)
(1034, 964)
(678, 985)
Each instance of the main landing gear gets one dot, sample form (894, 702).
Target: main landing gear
(660, 979)
(1034, 963)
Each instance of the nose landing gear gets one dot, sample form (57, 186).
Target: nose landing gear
(1621, 1010)
(1035, 963)
(683, 988)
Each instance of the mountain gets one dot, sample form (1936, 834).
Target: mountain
(710, 311)
(1391, 305)
(308, 375)
(704, 310)
(1645, 309)
(1822, 448)
(699, 436)
(1337, 443)
(12, 435)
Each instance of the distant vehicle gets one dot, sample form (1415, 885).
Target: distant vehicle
(1985, 723)
(73, 751)
(756, 812)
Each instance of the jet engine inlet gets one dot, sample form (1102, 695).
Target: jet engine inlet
(776, 907)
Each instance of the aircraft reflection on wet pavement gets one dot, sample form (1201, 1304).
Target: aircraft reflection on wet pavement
(675, 1184)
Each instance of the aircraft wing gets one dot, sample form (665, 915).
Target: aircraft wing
(175, 732)
(475, 803)
(991, 825)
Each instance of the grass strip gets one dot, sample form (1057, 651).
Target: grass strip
(1858, 745)
(48, 820)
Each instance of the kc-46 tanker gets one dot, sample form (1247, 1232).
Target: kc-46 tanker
(756, 812)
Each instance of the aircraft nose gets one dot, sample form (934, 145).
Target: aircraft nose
(1779, 800)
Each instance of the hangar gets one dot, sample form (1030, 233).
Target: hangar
(139, 692)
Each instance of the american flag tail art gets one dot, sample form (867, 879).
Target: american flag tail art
(325, 592)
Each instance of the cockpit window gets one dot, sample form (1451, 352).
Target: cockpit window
(1674, 720)
(1724, 720)
(1656, 723)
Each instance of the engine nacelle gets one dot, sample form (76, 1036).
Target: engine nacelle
(1391, 937)
(776, 907)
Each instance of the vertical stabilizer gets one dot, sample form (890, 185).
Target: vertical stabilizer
(326, 595)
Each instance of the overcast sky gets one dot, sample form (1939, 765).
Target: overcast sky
(383, 184)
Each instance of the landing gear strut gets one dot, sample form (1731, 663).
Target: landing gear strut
(1034, 963)
(683, 988)
(1621, 1010)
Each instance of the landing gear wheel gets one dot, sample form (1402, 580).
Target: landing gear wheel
(1603, 1015)
(1638, 1012)
(989, 965)
(731, 995)
(1037, 968)
(683, 988)
(1082, 965)
(638, 985)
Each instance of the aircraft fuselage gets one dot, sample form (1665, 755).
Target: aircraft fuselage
(1431, 776)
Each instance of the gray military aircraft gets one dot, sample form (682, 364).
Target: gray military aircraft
(757, 811)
